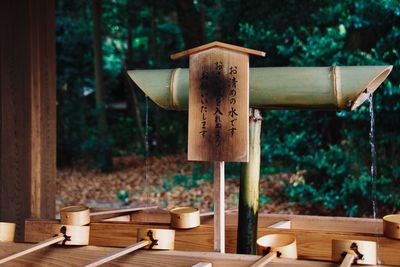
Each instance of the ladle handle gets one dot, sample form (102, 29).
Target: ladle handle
(119, 253)
(106, 212)
(348, 260)
(265, 260)
(38, 246)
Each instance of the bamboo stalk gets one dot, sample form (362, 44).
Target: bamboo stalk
(265, 260)
(249, 189)
(38, 246)
(119, 253)
(283, 87)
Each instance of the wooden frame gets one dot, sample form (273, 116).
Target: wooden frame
(314, 234)
(74, 256)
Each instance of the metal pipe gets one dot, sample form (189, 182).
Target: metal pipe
(329, 88)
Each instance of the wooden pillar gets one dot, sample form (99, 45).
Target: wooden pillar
(28, 111)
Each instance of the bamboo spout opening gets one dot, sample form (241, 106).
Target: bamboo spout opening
(371, 87)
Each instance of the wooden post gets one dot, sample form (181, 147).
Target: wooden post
(218, 115)
(28, 111)
(219, 206)
(249, 189)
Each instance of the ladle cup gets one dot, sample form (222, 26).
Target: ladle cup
(354, 251)
(275, 245)
(154, 239)
(7, 231)
(391, 226)
(185, 217)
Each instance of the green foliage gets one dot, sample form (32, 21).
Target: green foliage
(330, 150)
(334, 149)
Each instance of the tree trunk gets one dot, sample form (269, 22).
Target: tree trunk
(249, 189)
(191, 23)
(132, 100)
(104, 156)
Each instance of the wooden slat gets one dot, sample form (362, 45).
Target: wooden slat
(79, 256)
(322, 223)
(28, 111)
(217, 44)
(314, 245)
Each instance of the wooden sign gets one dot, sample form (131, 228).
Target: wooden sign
(218, 102)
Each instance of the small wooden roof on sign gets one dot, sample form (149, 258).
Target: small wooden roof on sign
(219, 44)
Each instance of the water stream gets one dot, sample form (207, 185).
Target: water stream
(146, 136)
(374, 172)
(373, 155)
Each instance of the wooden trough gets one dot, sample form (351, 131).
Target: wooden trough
(314, 235)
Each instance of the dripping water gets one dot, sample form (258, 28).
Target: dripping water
(373, 155)
(374, 172)
(146, 136)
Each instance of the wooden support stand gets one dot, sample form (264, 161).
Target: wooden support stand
(314, 234)
(219, 207)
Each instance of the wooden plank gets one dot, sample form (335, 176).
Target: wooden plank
(315, 245)
(79, 256)
(219, 106)
(217, 44)
(28, 111)
(305, 222)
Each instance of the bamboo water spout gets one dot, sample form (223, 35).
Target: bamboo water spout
(334, 88)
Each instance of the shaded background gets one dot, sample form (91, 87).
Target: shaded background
(313, 162)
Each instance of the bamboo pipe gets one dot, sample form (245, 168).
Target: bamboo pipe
(249, 189)
(80, 215)
(332, 88)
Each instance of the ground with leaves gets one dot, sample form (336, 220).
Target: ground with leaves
(166, 181)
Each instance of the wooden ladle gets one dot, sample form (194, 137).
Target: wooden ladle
(155, 239)
(275, 245)
(7, 231)
(354, 251)
(80, 215)
(63, 234)
(391, 226)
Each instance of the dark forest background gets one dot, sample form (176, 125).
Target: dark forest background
(329, 151)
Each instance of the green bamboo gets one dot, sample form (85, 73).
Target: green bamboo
(249, 189)
(331, 88)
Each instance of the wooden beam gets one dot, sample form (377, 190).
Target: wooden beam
(28, 111)
(305, 222)
(79, 256)
(311, 244)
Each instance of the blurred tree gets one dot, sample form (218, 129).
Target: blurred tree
(104, 156)
(329, 151)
